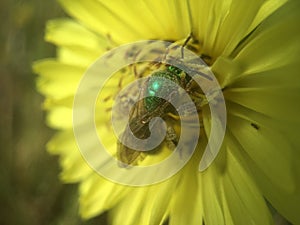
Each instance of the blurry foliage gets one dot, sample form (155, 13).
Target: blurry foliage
(30, 191)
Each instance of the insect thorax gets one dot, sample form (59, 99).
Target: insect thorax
(158, 87)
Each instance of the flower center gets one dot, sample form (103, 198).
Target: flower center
(151, 106)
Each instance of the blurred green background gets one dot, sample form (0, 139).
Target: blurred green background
(30, 192)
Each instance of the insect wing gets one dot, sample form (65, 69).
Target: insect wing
(140, 130)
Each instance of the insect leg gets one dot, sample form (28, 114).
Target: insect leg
(171, 138)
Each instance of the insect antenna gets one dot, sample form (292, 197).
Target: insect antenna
(185, 44)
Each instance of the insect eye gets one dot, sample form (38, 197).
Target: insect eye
(174, 70)
(171, 68)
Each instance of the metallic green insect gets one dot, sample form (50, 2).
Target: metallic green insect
(152, 106)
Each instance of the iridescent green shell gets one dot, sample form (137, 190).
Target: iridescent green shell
(157, 87)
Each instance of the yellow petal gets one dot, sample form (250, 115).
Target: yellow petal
(65, 102)
(230, 196)
(77, 56)
(278, 103)
(211, 189)
(267, 8)
(186, 205)
(267, 147)
(207, 18)
(98, 195)
(74, 166)
(236, 25)
(132, 20)
(281, 195)
(145, 205)
(234, 21)
(63, 142)
(75, 49)
(60, 118)
(242, 199)
(267, 48)
(64, 32)
(57, 80)
(172, 19)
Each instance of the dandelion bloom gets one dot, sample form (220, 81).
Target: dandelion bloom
(253, 50)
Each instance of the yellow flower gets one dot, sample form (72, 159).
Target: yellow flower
(252, 48)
